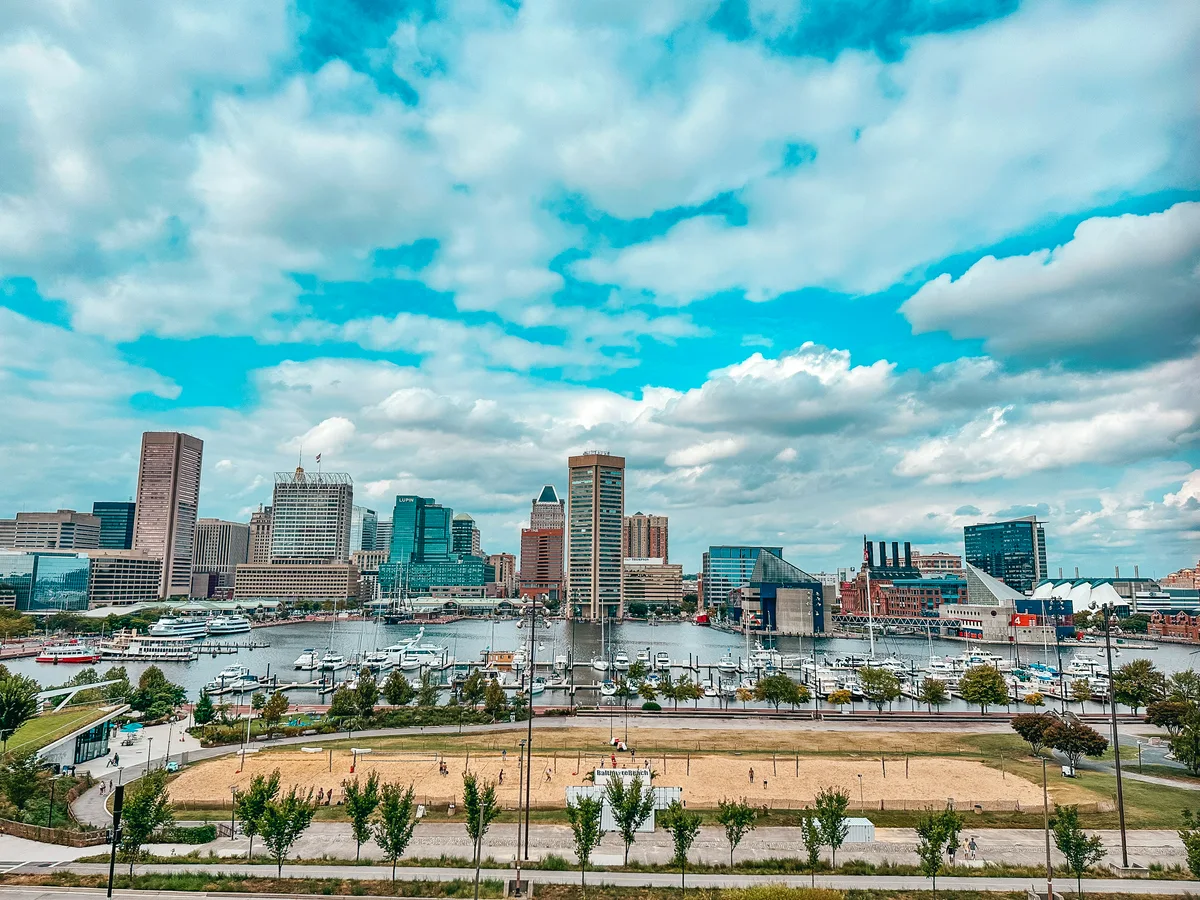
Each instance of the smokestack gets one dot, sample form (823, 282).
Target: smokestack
(1077, 573)
(1116, 571)
(895, 553)
(883, 554)
(908, 554)
(1135, 572)
(1060, 573)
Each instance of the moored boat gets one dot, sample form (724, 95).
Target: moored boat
(73, 652)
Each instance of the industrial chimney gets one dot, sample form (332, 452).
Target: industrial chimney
(1077, 573)
(895, 553)
(908, 554)
(883, 554)
(1135, 573)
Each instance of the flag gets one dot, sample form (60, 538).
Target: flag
(318, 457)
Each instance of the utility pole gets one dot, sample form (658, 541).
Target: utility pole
(1112, 705)
(118, 803)
(1046, 811)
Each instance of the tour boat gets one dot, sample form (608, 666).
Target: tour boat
(74, 652)
(130, 645)
(228, 625)
(333, 662)
(308, 661)
(178, 626)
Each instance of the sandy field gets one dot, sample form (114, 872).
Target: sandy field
(929, 781)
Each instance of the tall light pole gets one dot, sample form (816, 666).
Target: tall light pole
(529, 713)
(1046, 822)
(1116, 742)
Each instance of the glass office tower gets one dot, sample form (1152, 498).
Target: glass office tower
(1013, 551)
(116, 523)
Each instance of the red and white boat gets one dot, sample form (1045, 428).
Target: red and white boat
(74, 652)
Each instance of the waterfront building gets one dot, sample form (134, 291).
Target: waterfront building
(260, 535)
(726, 567)
(542, 564)
(503, 568)
(334, 582)
(364, 528)
(778, 598)
(310, 517)
(595, 512)
(938, 563)
(122, 577)
(916, 597)
(994, 612)
(422, 554)
(652, 583)
(168, 495)
(644, 537)
(383, 537)
(548, 511)
(65, 529)
(876, 577)
(220, 548)
(464, 535)
(74, 580)
(116, 523)
(418, 577)
(8, 532)
(1188, 579)
(1013, 551)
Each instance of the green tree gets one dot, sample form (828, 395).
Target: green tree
(147, 809)
(1185, 744)
(647, 691)
(683, 827)
(427, 693)
(342, 706)
(983, 686)
(283, 821)
(1138, 623)
(841, 697)
(156, 695)
(251, 803)
(1168, 714)
(473, 689)
(122, 690)
(812, 839)
(257, 701)
(361, 801)
(275, 709)
(584, 815)
(776, 689)
(832, 806)
(18, 704)
(1033, 728)
(479, 802)
(1184, 687)
(937, 831)
(495, 704)
(22, 777)
(396, 689)
(204, 710)
(638, 671)
(1079, 849)
(397, 822)
(1138, 683)
(1081, 691)
(637, 610)
(366, 695)
(934, 693)
(1190, 836)
(879, 686)
(739, 818)
(1075, 740)
(689, 603)
(631, 806)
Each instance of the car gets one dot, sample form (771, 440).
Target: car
(172, 766)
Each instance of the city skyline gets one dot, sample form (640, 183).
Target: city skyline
(813, 274)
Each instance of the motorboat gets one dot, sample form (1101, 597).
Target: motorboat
(643, 656)
(709, 690)
(727, 664)
(377, 659)
(654, 680)
(232, 679)
(179, 626)
(519, 659)
(600, 664)
(73, 652)
(228, 625)
(333, 662)
(538, 686)
(662, 661)
(608, 688)
(560, 662)
(423, 656)
(621, 661)
(1086, 667)
(308, 661)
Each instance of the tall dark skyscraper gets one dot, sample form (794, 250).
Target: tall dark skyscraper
(1013, 551)
(116, 523)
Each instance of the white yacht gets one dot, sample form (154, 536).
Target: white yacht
(654, 679)
(709, 689)
(727, 663)
(421, 656)
(538, 686)
(308, 661)
(621, 661)
(643, 656)
(377, 659)
(228, 625)
(233, 678)
(333, 662)
(179, 626)
(600, 664)
(608, 688)
(662, 660)
(560, 662)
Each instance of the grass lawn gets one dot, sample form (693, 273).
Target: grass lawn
(49, 727)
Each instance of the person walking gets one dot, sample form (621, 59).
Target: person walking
(971, 848)
(752, 774)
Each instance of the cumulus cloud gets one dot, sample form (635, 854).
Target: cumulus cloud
(1123, 288)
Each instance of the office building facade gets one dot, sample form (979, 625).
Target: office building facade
(168, 496)
(1013, 551)
(122, 577)
(645, 537)
(422, 552)
(547, 510)
(116, 523)
(260, 535)
(779, 598)
(310, 517)
(65, 529)
(383, 538)
(725, 567)
(464, 535)
(502, 567)
(220, 548)
(542, 564)
(652, 583)
(71, 581)
(334, 582)
(937, 563)
(595, 514)
(364, 528)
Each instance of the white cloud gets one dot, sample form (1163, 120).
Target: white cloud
(327, 438)
(707, 452)
(1188, 494)
(1123, 288)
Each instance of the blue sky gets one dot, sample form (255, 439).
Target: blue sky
(815, 268)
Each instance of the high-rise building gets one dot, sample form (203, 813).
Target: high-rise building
(61, 530)
(595, 512)
(383, 538)
(168, 495)
(1013, 551)
(260, 535)
(548, 510)
(220, 548)
(69, 580)
(503, 568)
(116, 523)
(364, 527)
(723, 568)
(310, 517)
(645, 537)
(422, 552)
(542, 563)
(464, 535)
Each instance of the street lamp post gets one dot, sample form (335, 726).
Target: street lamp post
(149, 752)
(1116, 742)
(861, 802)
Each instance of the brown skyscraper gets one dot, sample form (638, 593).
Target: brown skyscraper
(645, 537)
(595, 511)
(168, 495)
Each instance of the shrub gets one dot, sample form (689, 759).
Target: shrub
(187, 834)
(651, 706)
(554, 863)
